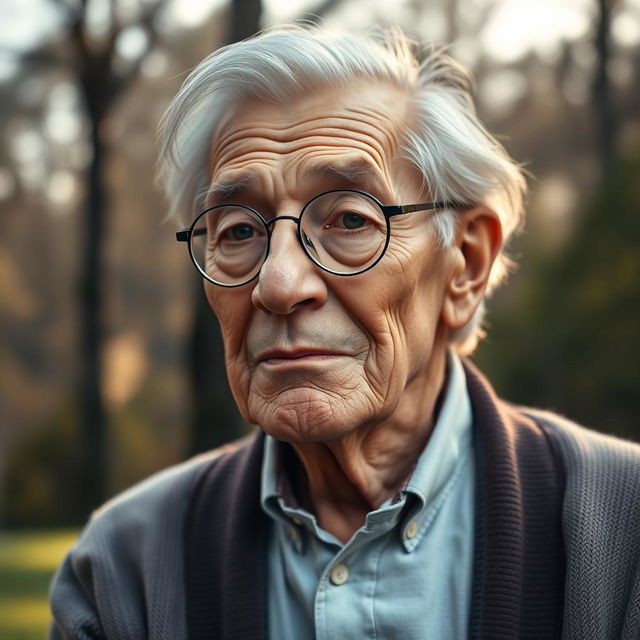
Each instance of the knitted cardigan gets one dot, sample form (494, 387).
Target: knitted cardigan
(557, 544)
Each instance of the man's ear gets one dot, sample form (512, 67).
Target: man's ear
(478, 242)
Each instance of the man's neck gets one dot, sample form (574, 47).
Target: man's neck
(343, 480)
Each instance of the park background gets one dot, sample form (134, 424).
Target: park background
(111, 364)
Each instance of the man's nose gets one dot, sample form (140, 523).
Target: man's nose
(288, 278)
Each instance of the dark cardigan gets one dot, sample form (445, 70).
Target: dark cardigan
(519, 564)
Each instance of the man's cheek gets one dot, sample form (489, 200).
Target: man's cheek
(240, 383)
(233, 331)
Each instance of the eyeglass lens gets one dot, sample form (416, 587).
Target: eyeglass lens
(342, 231)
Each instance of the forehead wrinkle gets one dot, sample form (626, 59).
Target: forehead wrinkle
(347, 145)
(288, 133)
(390, 134)
(353, 141)
(228, 135)
(271, 131)
(281, 129)
(337, 139)
(243, 119)
(261, 137)
(291, 152)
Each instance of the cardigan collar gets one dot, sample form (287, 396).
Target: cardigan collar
(518, 578)
(519, 567)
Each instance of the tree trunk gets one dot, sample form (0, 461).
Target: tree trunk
(92, 413)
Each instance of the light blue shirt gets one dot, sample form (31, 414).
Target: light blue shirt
(406, 573)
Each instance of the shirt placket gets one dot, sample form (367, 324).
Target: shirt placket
(343, 606)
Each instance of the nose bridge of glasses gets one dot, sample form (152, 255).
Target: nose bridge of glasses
(274, 220)
(268, 224)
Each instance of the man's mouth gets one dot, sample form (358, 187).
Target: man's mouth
(299, 355)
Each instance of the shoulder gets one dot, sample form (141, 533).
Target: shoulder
(588, 454)
(602, 472)
(157, 505)
(128, 563)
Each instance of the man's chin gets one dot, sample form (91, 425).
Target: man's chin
(306, 417)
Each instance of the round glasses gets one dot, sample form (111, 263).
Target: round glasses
(343, 231)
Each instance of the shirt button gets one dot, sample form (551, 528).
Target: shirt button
(339, 574)
(412, 529)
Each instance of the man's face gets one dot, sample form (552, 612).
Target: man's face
(313, 356)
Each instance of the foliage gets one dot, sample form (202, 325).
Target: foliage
(44, 466)
(572, 342)
(43, 469)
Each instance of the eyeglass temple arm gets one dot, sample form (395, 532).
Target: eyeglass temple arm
(186, 234)
(398, 210)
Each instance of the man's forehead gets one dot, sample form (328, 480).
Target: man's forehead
(349, 134)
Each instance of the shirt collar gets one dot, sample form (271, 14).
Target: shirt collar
(270, 472)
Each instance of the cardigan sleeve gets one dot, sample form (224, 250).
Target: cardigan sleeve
(74, 611)
(124, 578)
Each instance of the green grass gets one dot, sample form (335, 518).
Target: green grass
(27, 563)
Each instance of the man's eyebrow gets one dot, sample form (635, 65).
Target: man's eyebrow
(358, 173)
(229, 187)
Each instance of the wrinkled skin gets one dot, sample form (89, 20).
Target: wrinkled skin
(358, 409)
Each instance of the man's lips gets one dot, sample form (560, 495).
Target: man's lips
(274, 356)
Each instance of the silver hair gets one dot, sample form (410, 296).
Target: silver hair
(457, 157)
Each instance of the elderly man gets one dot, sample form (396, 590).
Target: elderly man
(350, 217)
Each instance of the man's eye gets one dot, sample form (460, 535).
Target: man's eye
(240, 232)
(353, 220)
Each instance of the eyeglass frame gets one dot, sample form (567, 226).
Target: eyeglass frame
(388, 211)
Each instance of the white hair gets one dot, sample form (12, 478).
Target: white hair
(458, 158)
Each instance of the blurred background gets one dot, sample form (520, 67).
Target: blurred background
(110, 364)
